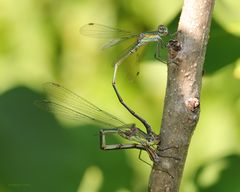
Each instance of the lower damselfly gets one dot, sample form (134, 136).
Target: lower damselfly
(117, 36)
(70, 105)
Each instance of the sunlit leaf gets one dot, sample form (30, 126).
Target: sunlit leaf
(227, 14)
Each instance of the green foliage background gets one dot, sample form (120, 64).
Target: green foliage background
(40, 42)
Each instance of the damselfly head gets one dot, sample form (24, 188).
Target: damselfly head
(163, 30)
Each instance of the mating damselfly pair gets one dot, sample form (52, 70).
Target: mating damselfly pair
(66, 102)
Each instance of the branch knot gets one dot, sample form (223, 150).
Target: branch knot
(192, 104)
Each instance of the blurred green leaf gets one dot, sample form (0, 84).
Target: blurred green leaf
(226, 181)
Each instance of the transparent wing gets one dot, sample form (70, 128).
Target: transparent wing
(101, 31)
(113, 42)
(116, 36)
(65, 102)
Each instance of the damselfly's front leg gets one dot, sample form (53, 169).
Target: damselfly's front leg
(105, 146)
(140, 158)
(160, 44)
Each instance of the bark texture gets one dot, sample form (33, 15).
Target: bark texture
(182, 100)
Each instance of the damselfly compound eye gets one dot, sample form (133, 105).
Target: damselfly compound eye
(162, 29)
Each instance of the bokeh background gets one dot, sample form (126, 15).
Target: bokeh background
(40, 42)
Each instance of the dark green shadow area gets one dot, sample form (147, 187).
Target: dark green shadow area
(38, 154)
(222, 49)
(228, 178)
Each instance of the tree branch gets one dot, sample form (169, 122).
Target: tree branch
(182, 100)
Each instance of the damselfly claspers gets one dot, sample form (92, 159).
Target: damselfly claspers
(65, 102)
(117, 36)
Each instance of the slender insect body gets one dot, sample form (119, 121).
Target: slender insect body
(149, 37)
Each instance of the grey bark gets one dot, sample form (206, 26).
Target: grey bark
(182, 100)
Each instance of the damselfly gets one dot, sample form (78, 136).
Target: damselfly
(117, 36)
(65, 102)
